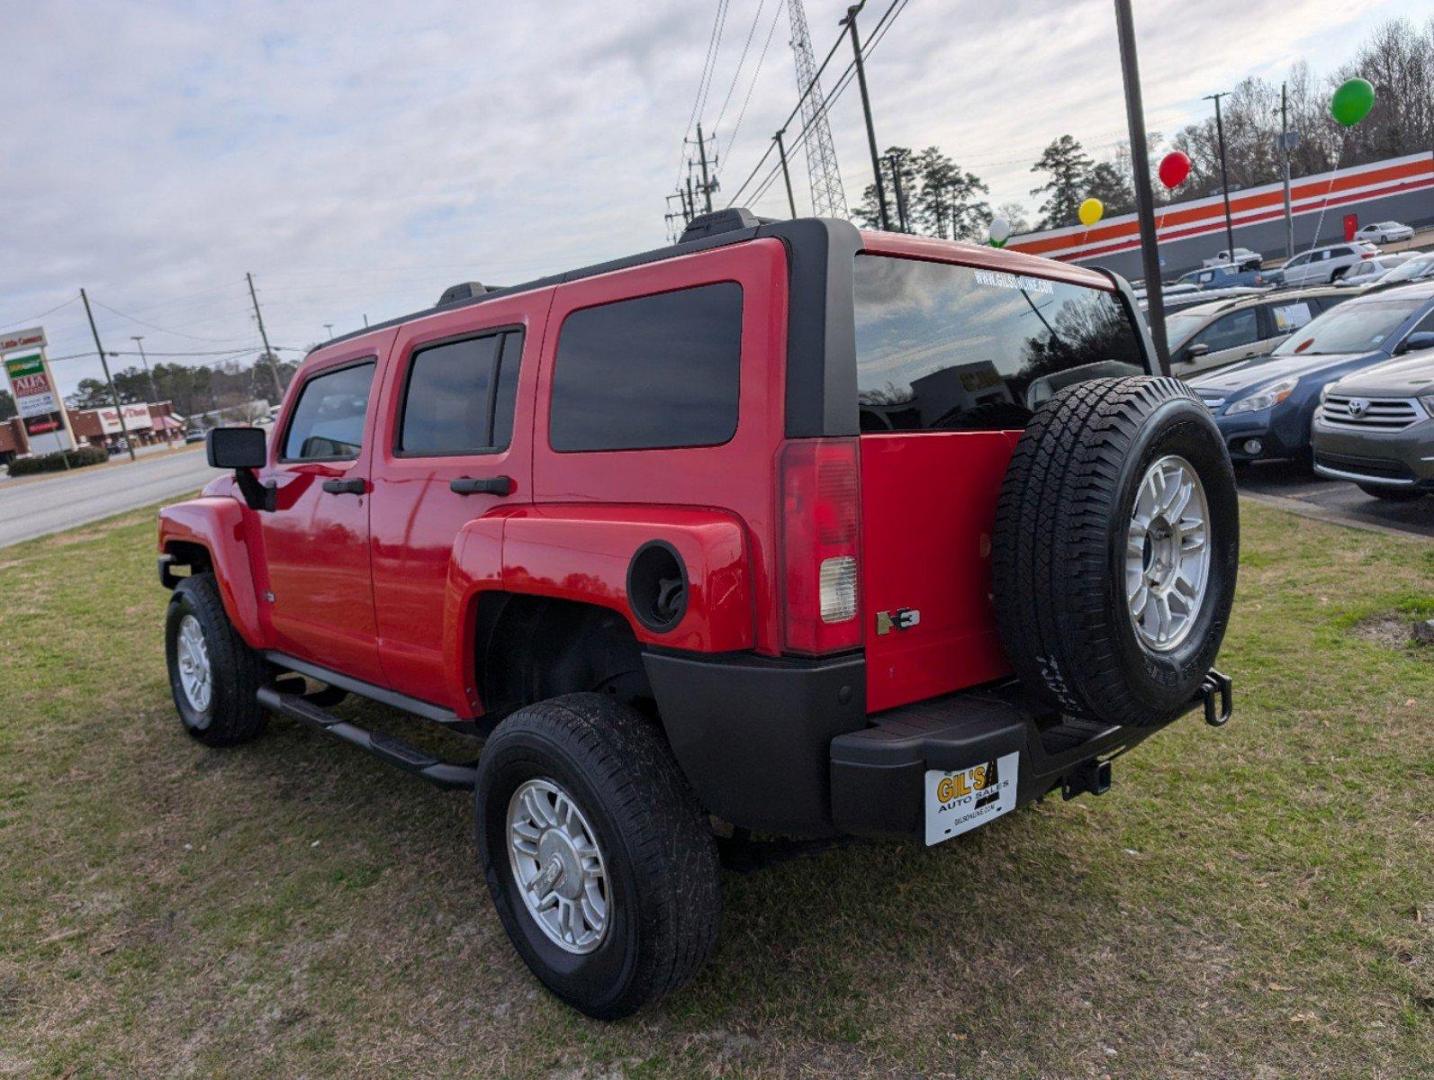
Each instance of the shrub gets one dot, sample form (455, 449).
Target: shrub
(42, 463)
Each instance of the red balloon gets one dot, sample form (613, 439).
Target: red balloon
(1174, 168)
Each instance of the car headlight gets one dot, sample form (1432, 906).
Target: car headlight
(1324, 392)
(1428, 403)
(1268, 397)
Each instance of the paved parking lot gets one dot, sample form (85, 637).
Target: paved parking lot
(1297, 489)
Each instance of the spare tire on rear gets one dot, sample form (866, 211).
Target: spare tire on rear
(1115, 550)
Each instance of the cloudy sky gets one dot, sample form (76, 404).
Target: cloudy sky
(359, 157)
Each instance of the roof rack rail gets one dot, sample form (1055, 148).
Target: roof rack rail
(721, 221)
(464, 290)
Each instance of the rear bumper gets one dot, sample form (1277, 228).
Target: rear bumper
(878, 774)
(785, 746)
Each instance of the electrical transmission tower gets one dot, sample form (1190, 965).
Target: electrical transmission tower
(828, 198)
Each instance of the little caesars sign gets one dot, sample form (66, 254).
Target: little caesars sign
(33, 386)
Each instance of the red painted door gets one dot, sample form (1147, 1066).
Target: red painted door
(928, 504)
(319, 590)
(458, 407)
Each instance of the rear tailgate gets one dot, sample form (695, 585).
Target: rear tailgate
(928, 507)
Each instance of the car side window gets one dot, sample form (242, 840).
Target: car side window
(1287, 318)
(1298, 260)
(1230, 331)
(651, 372)
(460, 396)
(328, 420)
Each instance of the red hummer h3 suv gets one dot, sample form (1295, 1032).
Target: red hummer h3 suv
(787, 528)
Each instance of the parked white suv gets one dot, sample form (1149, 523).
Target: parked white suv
(1385, 232)
(1323, 265)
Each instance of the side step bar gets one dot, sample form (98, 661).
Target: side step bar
(409, 758)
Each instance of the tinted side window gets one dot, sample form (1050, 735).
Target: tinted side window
(460, 396)
(328, 420)
(1236, 328)
(651, 372)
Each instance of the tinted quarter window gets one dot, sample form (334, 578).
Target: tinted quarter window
(1229, 331)
(651, 372)
(953, 347)
(460, 396)
(328, 420)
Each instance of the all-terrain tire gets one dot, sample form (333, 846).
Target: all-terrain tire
(662, 895)
(231, 714)
(1060, 542)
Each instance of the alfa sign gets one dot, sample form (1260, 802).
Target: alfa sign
(33, 386)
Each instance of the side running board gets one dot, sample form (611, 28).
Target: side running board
(409, 758)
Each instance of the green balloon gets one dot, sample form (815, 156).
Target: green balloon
(1352, 101)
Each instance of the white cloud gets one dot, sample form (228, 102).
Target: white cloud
(359, 157)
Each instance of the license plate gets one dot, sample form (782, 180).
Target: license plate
(957, 802)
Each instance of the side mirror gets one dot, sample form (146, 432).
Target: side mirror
(1197, 350)
(1422, 339)
(236, 448)
(242, 449)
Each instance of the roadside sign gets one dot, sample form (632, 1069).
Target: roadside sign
(37, 399)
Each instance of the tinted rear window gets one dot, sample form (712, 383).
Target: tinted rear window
(957, 348)
(651, 372)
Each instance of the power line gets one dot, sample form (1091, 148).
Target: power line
(707, 61)
(162, 329)
(37, 318)
(741, 61)
(756, 73)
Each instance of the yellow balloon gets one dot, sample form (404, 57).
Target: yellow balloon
(1091, 211)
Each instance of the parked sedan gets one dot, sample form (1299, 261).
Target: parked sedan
(1370, 271)
(1376, 427)
(1385, 232)
(1214, 335)
(1322, 265)
(1420, 268)
(1264, 407)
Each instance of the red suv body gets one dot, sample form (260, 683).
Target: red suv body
(748, 483)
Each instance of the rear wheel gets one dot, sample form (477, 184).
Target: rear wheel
(599, 860)
(213, 675)
(1115, 550)
(1390, 494)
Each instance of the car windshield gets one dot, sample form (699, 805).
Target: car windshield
(1350, 328)
(1409, 271)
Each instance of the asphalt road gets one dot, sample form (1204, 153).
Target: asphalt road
(1335, 500)
(31, 508)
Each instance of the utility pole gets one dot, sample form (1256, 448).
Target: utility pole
(330, 328)
(708, 184)
(365, 320)
(138, 339)
(850, 20)
(1144, 196)
(1286, 144)
(786, 175)
(896, 188)
(268, 352)
(114, 394)
(1224, 172)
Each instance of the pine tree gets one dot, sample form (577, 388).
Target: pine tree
(1069, 168)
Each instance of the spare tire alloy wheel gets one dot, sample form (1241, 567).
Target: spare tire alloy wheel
(1167, 558)
(1115, 551)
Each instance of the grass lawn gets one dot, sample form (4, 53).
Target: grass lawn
(1256, 901)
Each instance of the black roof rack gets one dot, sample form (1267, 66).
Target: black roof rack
(717, 229)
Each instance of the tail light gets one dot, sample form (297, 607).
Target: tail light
(820, 545)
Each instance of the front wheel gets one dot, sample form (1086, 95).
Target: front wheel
(599, 860)
(213, 675)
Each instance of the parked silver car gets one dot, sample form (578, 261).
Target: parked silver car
(1322, 265)
(1209, 336)
(1385, 232)
(1376, 426)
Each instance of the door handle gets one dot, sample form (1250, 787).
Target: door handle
(483, 485)
(355, 486)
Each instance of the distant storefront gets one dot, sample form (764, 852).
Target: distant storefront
(147, 423)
